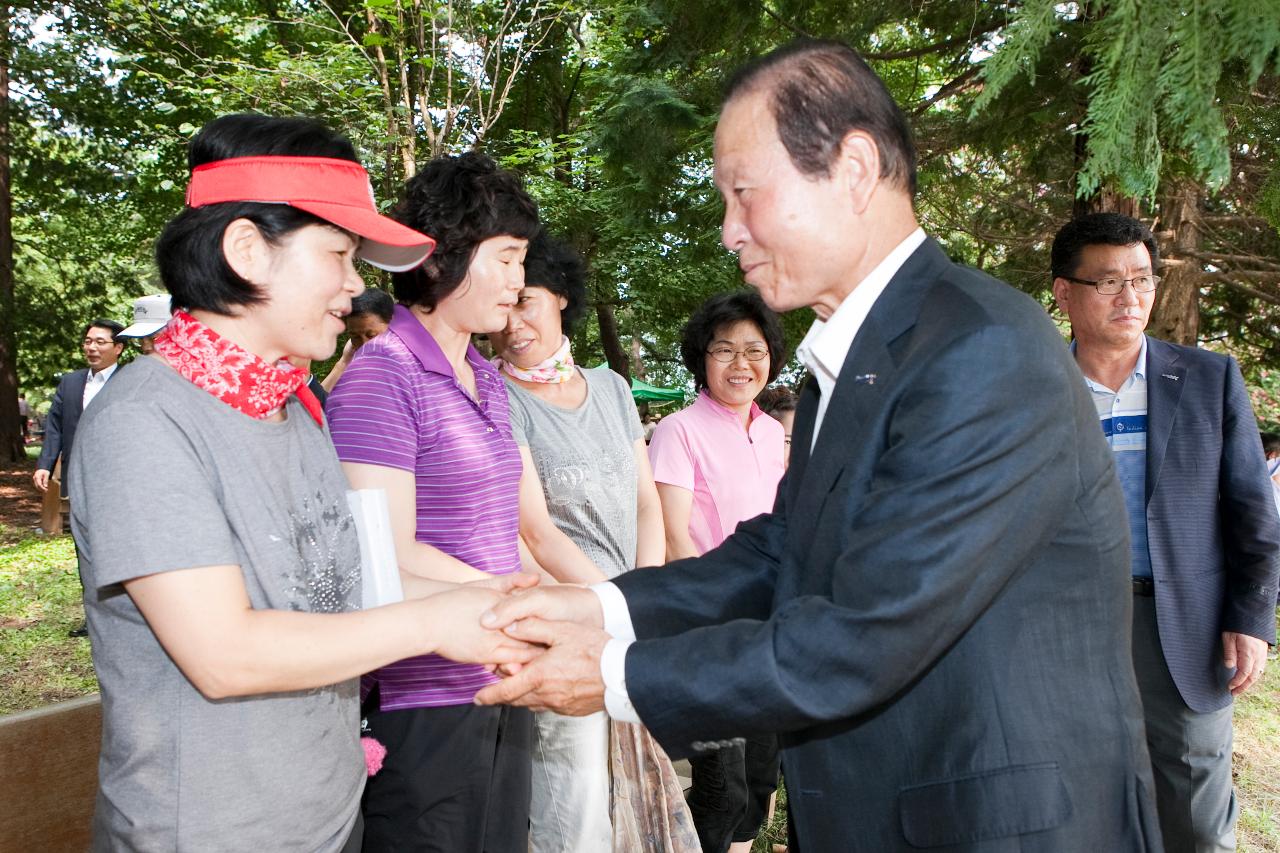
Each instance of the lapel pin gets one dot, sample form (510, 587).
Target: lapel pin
(865, 379)
(1171, 376)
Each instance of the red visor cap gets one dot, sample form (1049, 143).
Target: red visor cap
(337, 191)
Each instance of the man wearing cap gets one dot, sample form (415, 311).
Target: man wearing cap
(150, 314)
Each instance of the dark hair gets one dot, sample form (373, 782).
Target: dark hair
(555, 265)
(726, 309)
(461, 202)
(189, 251)
(776, 400)
(1097, 229)
(374, 301)
(1270, 443)
(818, 92)
(103, 323)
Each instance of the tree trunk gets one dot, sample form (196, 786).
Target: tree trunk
(1176, 314)
(611, 342)
(11, 444)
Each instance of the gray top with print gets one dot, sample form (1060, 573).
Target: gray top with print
(166, 478)
(585, 458)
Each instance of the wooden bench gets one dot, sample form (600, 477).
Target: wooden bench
(49, 776)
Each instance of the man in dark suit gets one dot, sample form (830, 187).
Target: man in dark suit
(75, 390)
(935, 616)
(1203, 525)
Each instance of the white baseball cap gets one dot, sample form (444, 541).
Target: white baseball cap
(150, 313)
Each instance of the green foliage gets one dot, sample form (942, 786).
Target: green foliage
(1153, 71)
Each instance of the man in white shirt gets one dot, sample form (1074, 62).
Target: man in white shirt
(934, 618)
(76, 391)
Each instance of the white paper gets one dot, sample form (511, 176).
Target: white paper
(380, 573)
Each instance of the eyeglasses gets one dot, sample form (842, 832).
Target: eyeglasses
(1113, 286)
(97, 342)
(724, 355)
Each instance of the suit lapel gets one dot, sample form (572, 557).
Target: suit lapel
(866, 379)
(77, 392)
(1165, 382)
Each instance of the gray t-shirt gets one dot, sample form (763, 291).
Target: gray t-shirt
(171, 478)
(585, 458)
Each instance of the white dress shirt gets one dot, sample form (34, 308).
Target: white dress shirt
(822, 351)
(94, 382)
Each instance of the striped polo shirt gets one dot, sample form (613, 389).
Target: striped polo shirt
(1123, 415)
(399, 404)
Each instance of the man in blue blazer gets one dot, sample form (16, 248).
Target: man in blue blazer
(935, 616)
(1204, 534)
(75, 390)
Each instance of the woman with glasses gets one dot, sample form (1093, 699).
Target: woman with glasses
(717, 463)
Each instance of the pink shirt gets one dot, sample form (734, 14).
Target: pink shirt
(733, 473)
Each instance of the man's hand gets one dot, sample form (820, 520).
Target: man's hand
(565, 678)
(41, 479)
(1247, 656)
(561, 603)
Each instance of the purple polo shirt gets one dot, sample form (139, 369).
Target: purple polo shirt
(399, 404)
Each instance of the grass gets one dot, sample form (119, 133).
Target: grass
(40, 665)
(39, 603)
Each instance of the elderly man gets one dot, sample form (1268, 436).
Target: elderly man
(935, 616)
(1204, 534)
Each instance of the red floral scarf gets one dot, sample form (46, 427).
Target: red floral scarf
(231, 373)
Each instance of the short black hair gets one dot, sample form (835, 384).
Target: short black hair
(819, 90)
(726, 309)
(374, 301)
(460, 201)
(103, 323)
(189, 251)
(1270, 443)
(555, 265)
(776, 400)
(1097, 229)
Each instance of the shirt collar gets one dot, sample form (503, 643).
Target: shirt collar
(824, 348)
(104, 374)
(424, 347)
(721, 411)
(1139, 369)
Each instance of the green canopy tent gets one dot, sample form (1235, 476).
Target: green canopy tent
(643, 392)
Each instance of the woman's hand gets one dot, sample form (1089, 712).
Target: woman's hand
(453, 624)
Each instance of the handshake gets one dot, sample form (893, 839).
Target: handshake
(546, 642)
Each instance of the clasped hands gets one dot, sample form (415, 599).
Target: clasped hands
(545, 641)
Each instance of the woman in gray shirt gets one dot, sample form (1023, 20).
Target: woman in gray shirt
(587, 498)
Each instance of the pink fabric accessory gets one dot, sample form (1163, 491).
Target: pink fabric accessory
(230, 372)
(556, 369)
(374, 754)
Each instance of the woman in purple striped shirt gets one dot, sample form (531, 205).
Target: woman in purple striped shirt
(421, 414)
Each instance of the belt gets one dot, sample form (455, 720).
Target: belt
(1144, 587)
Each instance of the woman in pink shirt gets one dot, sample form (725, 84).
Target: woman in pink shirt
(718, 463)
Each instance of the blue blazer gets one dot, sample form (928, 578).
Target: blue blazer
(61, 422)
(935, 617)
(1212, 527)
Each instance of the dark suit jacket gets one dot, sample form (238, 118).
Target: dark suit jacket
(1212, 527)
(60, 425)
(936, 616)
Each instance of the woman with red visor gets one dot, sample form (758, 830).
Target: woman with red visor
(223, 595)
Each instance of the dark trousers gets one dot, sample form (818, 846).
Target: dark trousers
(455, 780)
(729, 797)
